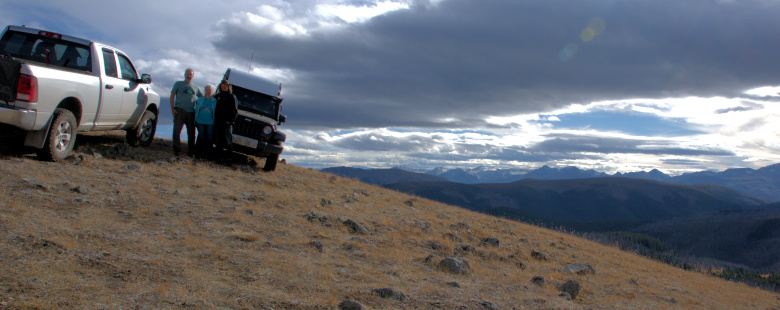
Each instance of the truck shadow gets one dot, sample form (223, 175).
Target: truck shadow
(109, 144)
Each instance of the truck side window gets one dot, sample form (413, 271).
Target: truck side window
(128, 71)
(76, 57)
(109, 63)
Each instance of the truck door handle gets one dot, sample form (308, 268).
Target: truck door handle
(109, 86)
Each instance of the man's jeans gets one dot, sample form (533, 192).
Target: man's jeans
(184, 118)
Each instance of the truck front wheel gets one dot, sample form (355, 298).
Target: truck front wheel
(61, 137)
(144, 133)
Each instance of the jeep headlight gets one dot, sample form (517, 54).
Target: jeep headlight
(267, 130)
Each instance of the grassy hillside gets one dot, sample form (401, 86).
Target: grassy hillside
(119, 227)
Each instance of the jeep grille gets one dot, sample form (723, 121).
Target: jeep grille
(248, 127)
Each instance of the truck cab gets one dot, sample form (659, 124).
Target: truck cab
(255, 130)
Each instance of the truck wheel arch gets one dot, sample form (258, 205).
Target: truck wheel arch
(37, 139)
(73, 105)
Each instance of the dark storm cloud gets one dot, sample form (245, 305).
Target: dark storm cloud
(454, 63)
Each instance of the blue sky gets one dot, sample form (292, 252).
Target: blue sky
(611, 85)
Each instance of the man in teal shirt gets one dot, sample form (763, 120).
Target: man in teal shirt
(183, 96)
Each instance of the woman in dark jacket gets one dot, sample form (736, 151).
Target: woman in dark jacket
(224, 116)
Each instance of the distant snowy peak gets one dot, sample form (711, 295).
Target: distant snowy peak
(655, 175)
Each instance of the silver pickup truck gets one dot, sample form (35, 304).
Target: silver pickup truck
(54, 85)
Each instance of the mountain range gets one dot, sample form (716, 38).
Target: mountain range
(762, 183)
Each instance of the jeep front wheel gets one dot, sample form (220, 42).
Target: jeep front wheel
(271, 160)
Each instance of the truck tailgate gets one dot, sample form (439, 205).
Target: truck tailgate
(9, 75)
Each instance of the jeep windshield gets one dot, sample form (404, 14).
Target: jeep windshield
(255, 102)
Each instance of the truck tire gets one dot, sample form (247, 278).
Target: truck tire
(143, 134)
(61, 137)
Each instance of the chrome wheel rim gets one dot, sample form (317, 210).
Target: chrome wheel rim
(63, 136)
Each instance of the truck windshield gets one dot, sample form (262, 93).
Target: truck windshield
(255, 102)
(34, 47)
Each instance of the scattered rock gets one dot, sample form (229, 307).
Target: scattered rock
(409, 202)
(132, 167)
(490, 242)
(433, 245)
(463, 249)
(322, 219)
(390, 293)
(489, 305)
(538, 301)
(81, 189)
(351, 305)
(253, 197)
(325, 202)
(453, 237)
(538, 255)
(356, 227)
(247, 169)
(453, 284)
(311, 217)
(455, 265)
(37, 184)
(580, 269)
(570, 289)
(317, 245)
(350, 198)
(538, 280)
(461, 226)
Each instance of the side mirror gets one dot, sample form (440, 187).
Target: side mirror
(146, 78)
(282, 118)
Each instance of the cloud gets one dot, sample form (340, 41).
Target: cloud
(460, 82)
(465, 61)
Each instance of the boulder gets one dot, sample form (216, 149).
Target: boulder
(570, 289)
(455, 265)
(580, 269)
(356, 227)
(490, 242)
(351, 305)
(390, 293)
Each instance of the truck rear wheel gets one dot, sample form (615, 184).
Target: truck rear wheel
(143, 134)
(61, 136)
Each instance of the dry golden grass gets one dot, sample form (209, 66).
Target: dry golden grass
(134, 229)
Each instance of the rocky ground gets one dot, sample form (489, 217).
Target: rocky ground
(116, 227)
